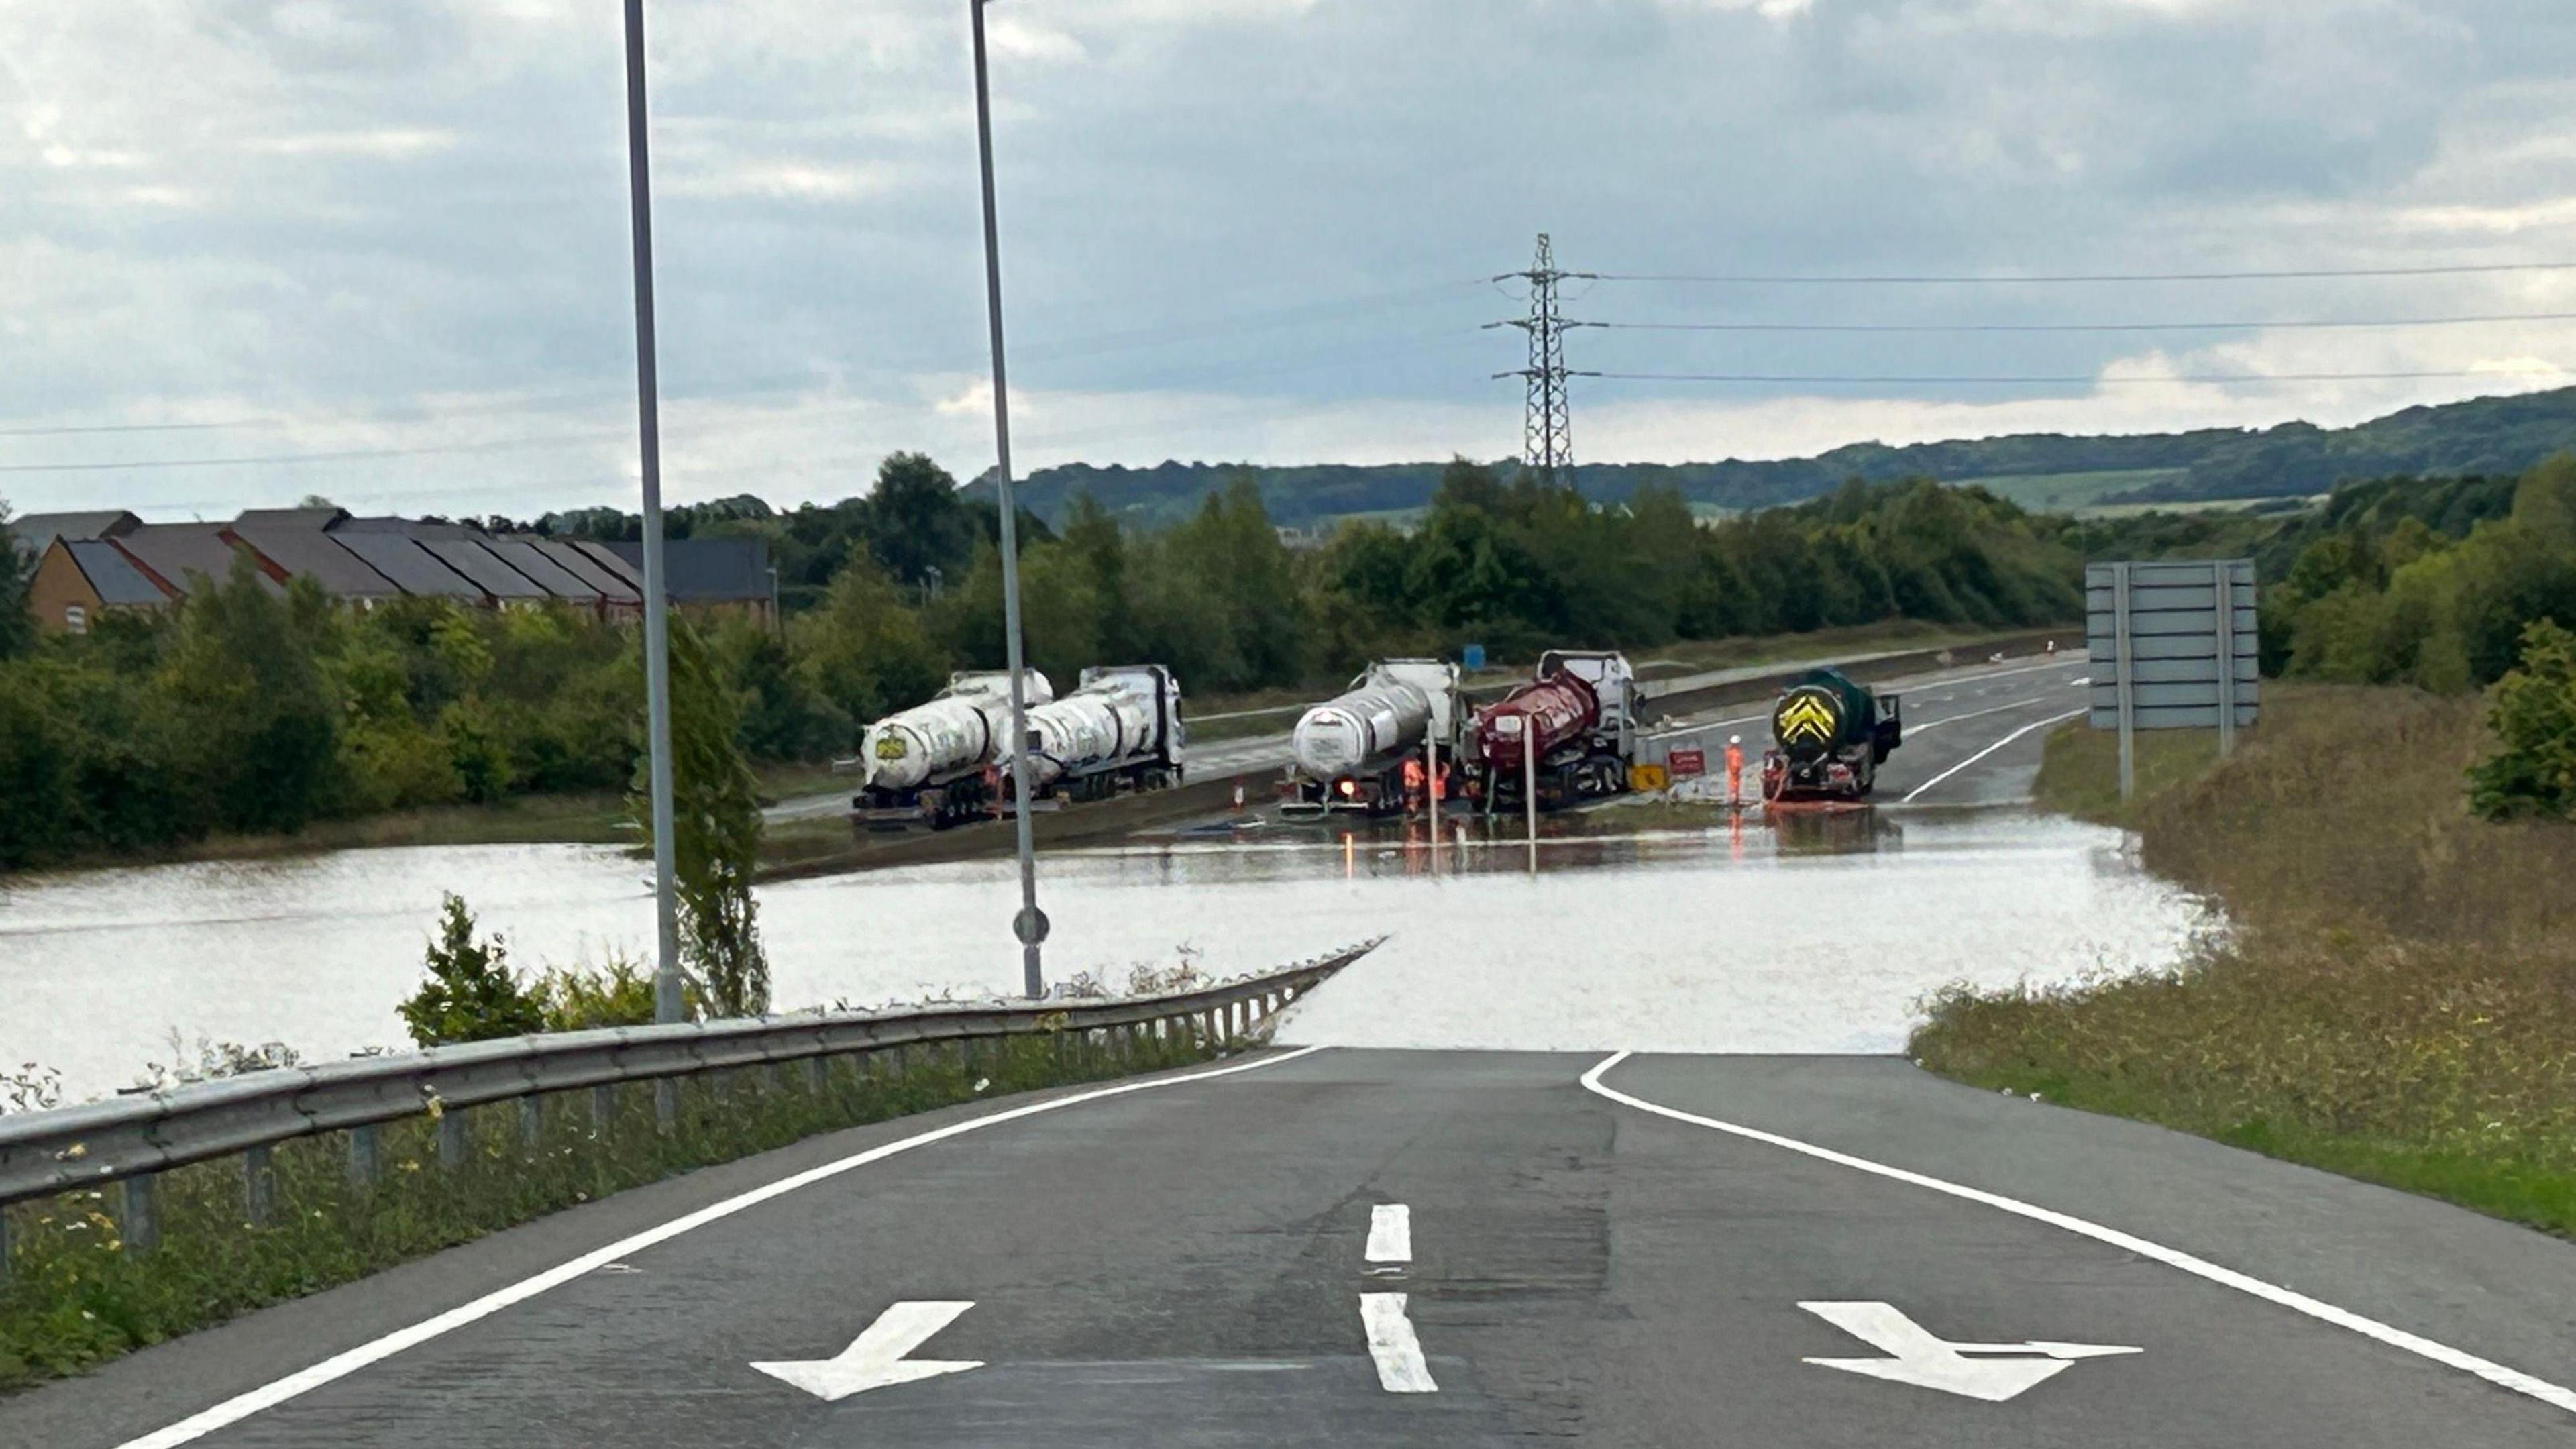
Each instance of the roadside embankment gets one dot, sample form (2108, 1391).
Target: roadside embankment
(2395, 998)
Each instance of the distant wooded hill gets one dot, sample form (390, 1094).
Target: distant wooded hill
(2496, 435)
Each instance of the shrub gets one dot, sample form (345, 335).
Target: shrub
(470, 994)
(2533, 771)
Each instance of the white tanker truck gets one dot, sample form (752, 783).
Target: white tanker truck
(1349, 752)
(935, 762)
(1120, 731)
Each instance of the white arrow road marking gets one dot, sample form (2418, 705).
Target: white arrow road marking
(1390, 1233)
(1400, 1369)
(875, 1359)
(2557, 1396)
(1921, 1358)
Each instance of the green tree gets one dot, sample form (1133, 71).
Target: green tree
(716, 831)
(40, 808)
(17, 568)
(2533, 771)
(260, 737)
(917, 524)
(863, 651)
(470, 994)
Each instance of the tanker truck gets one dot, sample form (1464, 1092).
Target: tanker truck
(1572, 729)
(1121, 730)
(934, 763)
(1829, 736)
(1348, 753)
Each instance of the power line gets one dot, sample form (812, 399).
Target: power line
(2091, 379)
(2300, 324)
(2064, 278)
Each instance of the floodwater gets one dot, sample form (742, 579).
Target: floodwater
(1819, 938)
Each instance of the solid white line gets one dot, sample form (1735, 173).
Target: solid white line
(2495, 1373)
(1988, 750)
(1390, 1233)
(341, 1365)
(1400, 1369)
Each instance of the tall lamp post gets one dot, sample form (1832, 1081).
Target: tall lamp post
(1031, 923)
(668, 1002)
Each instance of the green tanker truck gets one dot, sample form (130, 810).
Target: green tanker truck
(1828, 738)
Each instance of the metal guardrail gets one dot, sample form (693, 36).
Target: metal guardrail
(128, 1139)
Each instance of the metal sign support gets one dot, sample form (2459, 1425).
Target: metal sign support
(2125, 678)
(2223, 577)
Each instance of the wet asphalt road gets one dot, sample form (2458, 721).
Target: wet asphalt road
(1185, 1265)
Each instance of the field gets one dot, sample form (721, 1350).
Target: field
(2396, 997)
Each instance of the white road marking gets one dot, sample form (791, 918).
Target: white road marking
(1918, 1356)
(1949, 719)
(2554, 1395)
(875, 1359)
(1894, 686)
(1390, 1237)
(1400, 1369)
(340, 1365)
(1988, 750)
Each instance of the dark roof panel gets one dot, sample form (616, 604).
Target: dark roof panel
(313, 554)
(709, 570)
(611, 584)
(407, 527)
(413, 568)
(608, 558)
(487, 571)
(112, 574)
(174, 551)
(35, 530)
(313, 519)
(542, 571)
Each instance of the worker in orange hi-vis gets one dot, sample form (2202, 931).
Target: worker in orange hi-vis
(1412, 782)
(1735, 769)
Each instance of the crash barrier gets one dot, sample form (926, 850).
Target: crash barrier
(127, 1141)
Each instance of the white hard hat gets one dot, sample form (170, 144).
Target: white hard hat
(1735, 739)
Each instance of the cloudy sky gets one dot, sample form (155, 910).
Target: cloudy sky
(379, 251)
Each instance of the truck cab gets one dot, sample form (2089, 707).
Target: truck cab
(1614, 683)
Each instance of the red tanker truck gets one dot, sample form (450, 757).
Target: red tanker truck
(1573, 728)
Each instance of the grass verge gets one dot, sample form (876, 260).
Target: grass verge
(2395, 999)
(76, 1295)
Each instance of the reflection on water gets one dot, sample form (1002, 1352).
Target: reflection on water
(1814, 934)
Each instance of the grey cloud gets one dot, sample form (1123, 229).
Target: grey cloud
(1167, 167)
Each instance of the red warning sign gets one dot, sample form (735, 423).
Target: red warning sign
(1689, 762)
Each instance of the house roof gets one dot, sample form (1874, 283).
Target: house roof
(170, 552)
(35, 530)
(603, 557)
(414, 569)
(407, 527)
(489, 574)
(113, 576)
(315, 519)
(611, 584)
(709, 570)
(542, 570)
(310, 553)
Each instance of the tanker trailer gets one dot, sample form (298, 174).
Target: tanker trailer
(1348, 753)
(933, 762)
(1120, 730)
(1556, 725)
(1829, 736)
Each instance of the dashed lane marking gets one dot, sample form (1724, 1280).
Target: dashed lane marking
(1390, 1238)
(1392, 1344)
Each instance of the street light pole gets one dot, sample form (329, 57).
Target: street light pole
(1031, 924)
(668, 1002)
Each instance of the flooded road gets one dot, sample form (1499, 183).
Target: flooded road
(1819, 938)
